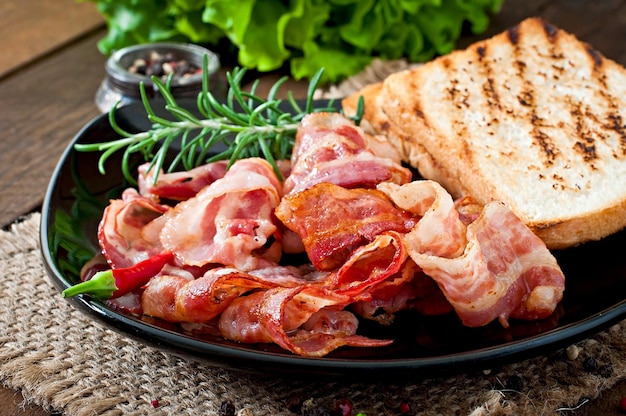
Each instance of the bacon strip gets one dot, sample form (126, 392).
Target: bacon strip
(179, 186)
(408, 289)
(178, 299)
(503, 271)
(330, 148)
(121, 235)
(440, 231)
(333, 221)
(305, 320)
(229, 222)
(369, 266)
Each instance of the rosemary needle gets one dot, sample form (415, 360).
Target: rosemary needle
(246, 124)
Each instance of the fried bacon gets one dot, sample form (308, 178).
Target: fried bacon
(409, 288)
(310, 321)
(178, 186)
(330, 148)
(177, 299)
(501, 270)
(230, 222)
(122, 234)
(306, 320)
(377, 244)
(333, 221)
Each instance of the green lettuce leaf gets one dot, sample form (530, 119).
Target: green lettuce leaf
(307, 20)
(192, 26)
(337, 63)
(233, 17)
(132, 22)
(343, 36)
(263, 46)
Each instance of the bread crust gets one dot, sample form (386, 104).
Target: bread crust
(532, 117)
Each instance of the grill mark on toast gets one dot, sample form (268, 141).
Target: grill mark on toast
(513, 34)
(585, 143)
(527, 98)
(544, 141)
(459, 97)
(551, 31)
(417, 110)
(453, 89)
(613, 118)
(549, 152)
(616, 123)
(596, 57)
(587, 149)
(488, 87)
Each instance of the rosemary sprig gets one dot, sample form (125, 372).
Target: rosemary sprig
(246, 124)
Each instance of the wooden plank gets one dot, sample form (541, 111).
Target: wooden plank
(12, 403)
(601, 24)
(42, 110)
(512, 12)
(33, 28)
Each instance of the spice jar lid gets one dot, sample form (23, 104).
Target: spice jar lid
(123, 82)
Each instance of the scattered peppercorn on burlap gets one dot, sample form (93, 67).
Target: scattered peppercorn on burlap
(66, 362)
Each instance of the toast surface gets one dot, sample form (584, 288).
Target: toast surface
(532, 117)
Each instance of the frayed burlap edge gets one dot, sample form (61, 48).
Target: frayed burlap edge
(377, 71)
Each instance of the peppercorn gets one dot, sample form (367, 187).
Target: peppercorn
(183, 68)
(294, 404)
(404, 408)
(227, 408)
(514, 382)
(622, 404)
(590, 364)
(605, 371)
(162, 65)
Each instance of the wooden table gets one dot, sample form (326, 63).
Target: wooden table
(50, 70)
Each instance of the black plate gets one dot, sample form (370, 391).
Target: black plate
(594, 297)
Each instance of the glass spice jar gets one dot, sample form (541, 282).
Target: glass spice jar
(128, 67)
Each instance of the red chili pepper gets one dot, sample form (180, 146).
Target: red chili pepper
(114, 283)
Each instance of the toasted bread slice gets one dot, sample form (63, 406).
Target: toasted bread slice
(532, 117)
